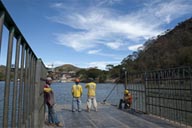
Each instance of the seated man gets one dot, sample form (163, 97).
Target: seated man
(127, 100)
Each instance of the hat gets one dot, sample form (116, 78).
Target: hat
(126, 91)
(49, 78)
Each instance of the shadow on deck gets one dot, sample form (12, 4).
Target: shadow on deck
(108, 116)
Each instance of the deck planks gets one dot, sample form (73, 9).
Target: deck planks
(108, 116)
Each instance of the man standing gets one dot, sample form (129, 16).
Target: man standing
(77, 92)
(91, 95)
(49, 100)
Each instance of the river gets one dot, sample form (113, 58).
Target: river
(63, 94)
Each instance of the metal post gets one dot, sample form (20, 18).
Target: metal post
(125, 79)
(125, 74)
(1, 27)
(37, 94)
(14, 100)
(7, 80)
(20, 100)
(145, 89)
(25, 102)
(29, 90)
(33, 73)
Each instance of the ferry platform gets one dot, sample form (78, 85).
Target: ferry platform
(109, 116)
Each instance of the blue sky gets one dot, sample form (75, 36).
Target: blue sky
(89, 33)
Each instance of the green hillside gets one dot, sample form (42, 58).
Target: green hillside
(172, 49)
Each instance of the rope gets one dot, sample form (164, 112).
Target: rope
(110, 92)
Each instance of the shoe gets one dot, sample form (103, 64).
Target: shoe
(50, 124)
(59, 124)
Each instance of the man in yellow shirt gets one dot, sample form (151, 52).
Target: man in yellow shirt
(77, 92)
(91, 95)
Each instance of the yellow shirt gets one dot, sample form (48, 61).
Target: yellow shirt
(47, 89)
(91, 88)
(77, 90)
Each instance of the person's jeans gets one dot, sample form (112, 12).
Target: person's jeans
(92, 101)
(126, 104)
(76, 104)
(52, 116)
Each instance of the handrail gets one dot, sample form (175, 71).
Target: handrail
(22, 82)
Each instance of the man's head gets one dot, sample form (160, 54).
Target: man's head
(77, 80)
(48, 80)
(90, 80)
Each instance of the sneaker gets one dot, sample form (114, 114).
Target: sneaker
(50, 124)
(59, 124)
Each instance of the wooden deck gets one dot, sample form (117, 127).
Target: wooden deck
(108, 116)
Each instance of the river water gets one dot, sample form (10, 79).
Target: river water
(63, 92)
(63, 95)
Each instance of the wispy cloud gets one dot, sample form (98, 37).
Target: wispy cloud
(101, 53)
(135, 47)
(171, 10)
(102, 64)
(114, 45)
(94, 51)
(97, 26)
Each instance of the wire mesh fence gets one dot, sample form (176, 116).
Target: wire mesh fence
(165, 93)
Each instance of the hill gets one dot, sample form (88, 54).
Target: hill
(172, 49)
(67, 68)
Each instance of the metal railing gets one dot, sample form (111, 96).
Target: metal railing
(164, 93)
(23, 103)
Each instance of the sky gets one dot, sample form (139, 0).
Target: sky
(93, 33)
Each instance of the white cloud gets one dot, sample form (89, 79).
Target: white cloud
(94, 51)
(78, 41)
(114, 45)
(102, 64)
(99, 26)
(171, 10)
(135, 47)
(98, 52)
(107, 2)
(57, 5)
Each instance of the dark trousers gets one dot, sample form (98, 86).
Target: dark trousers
(126, 104)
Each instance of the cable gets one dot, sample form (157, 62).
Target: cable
(110, 92)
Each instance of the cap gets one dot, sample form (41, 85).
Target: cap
(49, 78)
